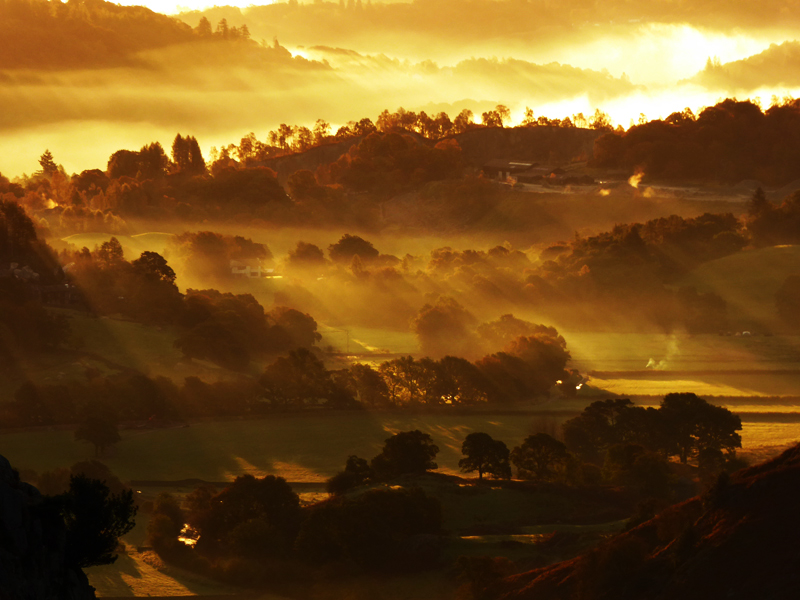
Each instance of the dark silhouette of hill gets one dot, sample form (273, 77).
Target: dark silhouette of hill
(81, 33)
(778, 65)
(736, 541)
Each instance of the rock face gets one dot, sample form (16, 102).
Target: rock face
(32, 560)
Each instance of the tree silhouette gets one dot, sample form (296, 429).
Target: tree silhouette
(47, 163)
(95, 520)
(99, 430)
(408, 452)
(539, 456)
(485, 455)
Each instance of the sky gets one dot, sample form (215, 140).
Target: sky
(343, 64)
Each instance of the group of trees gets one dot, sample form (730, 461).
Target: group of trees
(728, 142)
(252, 520)
(225, 328)
(525, 370)
(684, 426)
(640, 263)
(632, 444)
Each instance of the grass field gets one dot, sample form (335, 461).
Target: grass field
(299, 448)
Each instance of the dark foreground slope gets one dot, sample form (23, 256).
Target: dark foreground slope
(740, 540)
(32, 555)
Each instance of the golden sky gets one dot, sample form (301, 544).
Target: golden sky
(346, 62)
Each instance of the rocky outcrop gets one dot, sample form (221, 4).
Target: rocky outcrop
(33, 565)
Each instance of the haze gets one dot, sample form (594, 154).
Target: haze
(129, 89)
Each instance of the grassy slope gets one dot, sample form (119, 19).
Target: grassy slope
(300, 448)
(748, 281)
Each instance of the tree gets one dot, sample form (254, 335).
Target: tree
(539, 457)
(693, 424)
(463, 121)
(99, 430)
(154, 266)
(591, 433)
(180, 153)
(251, 517)
(203, 28)
(305, 256)
(153, 162)
(322, 129)
(49, 167)
(485, 455)
(349, 246)
(123, 163)
(299, 328)
(445, 327)
(356, 472)
(95, 520)
(297, 379)
(407, 452)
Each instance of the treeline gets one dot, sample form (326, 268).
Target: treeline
(728, 142)
(299, 138)
(524, 371)
(611, 441)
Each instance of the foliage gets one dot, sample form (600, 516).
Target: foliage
(407, 452)
(95, 520)
(251, 517)
(356, 472)
(485, 455)
(539, 457)
(730, 141)
(378, 530)
(683, 425)
(695, 425)
(100, 430)
(350, 246)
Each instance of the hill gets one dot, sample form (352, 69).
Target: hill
(82, 33)
(737, 541)
(747, 281)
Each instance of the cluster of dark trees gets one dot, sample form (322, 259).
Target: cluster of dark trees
(255, 531)
(254, 525)
(611, 440)
(224, 328)
(527, 369)
(636, 264)
(26, 263)
(728, 142)
(85, 509)
(771, 224)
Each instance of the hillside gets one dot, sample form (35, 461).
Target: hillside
(747, 281)
(738, 541)
(88, 33)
